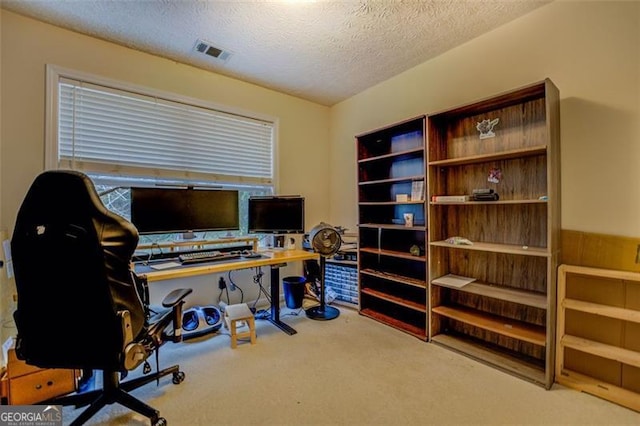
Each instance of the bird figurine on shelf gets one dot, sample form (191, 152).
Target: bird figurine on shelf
(485, 127)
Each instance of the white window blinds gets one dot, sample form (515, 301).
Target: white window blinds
(107, 130)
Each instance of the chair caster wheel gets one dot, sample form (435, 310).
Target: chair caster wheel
(178, 377)
(160, 422)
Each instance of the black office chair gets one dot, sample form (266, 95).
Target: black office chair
(79, 305)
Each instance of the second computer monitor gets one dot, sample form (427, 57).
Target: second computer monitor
(276, 215)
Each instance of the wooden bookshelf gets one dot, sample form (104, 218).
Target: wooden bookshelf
(392, 280)
(507, 315)
(597, 334)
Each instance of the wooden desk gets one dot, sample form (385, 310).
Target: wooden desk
(274, 259)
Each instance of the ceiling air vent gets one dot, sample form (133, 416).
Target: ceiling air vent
(215, 52)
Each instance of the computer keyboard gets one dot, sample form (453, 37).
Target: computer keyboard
(207, 256)
(247, 254)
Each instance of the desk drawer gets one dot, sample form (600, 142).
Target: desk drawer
(41, 385)
(17, 367)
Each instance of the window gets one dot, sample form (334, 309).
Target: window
(123, 135)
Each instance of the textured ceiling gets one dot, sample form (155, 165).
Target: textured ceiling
(323, 51)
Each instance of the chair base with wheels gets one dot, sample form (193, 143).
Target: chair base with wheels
(115, 392)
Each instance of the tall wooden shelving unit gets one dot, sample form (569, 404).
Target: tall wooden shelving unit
(506, 316)
(392, 280)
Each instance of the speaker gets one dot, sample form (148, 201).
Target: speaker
(200, 320)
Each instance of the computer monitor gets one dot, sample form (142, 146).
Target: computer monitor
(276, 215)
(174, 210)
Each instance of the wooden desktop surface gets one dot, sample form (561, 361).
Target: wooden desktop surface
(270, 257)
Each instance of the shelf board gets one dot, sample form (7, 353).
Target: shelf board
(395, 277)
(526, 298)
(393, 253)
(395, 299)
(602, 350)
(415, 152)
(391, 226)
(495, 358)
(474, 203)
(603, 310)
(505, 326)
(599, 388)
(391, 180)
(598, 272)
(199, 243)
(496, 248)
(418, 332)
(504, 155)
(389, 203)
(342, 262)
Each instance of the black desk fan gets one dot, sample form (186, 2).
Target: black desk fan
(325, 240)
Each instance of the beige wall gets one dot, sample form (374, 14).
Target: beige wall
(1, 115)
(28, 45)
(591, 51)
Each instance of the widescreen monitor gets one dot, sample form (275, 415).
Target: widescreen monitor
(173, 210)
(276, 215)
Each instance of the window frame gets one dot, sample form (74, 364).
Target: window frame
(55, 73)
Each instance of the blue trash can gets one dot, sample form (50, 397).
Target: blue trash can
(293, 288)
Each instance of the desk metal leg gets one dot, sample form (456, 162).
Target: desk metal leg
(275, 302)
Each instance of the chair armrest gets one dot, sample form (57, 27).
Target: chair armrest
(175, 297)
(133, 353)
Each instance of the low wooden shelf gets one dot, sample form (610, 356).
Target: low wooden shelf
(597, 333)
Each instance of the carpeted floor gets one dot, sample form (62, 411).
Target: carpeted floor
(351, 370)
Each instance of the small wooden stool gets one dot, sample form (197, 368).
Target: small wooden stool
(240, 312)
